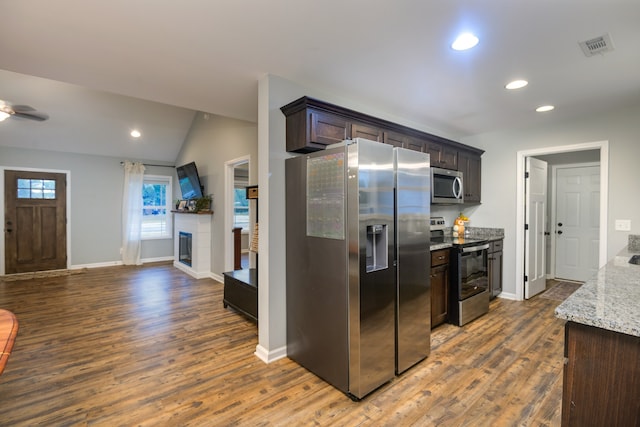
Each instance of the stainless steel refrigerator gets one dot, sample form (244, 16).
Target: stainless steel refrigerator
(358, 263)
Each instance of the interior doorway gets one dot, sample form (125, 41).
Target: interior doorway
(238, 211)
(574, 221)
(559, 155)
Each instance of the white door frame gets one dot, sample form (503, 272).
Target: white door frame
(603, 146)
(554, 194)
(67, 173)
(229, 179)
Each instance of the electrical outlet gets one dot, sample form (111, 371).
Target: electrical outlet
(623, 225)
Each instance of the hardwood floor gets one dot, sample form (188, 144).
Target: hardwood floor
(151, 346)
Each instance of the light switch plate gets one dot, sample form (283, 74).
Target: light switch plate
(623, 225)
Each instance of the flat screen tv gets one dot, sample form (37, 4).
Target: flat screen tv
(189, 181)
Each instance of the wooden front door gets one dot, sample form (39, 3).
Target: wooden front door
(35, 221)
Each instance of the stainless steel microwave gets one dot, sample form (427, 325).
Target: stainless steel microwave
(446, 186)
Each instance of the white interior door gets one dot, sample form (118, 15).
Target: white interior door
(577, 222)
(535, 219)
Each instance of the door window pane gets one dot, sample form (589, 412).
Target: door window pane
(36, 189)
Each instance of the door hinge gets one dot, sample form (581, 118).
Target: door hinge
(526, 226)
(526, 278)
(526, 175)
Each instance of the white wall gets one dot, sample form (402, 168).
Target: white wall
(95, 186)
(621, 128)
(212, 141)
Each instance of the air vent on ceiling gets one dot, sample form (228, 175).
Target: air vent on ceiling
(599, 45)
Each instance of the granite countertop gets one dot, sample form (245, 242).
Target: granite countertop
(609, 300)
(475, 233)
(437, 246)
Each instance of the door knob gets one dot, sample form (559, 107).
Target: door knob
(559, 224)
(546, 233)
(559, 231)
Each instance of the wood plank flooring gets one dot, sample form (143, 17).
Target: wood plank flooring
(151, 346)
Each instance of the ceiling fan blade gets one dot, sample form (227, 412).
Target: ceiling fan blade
(22, 108)
(31, 115)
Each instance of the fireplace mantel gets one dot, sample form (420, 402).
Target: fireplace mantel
(199, 226)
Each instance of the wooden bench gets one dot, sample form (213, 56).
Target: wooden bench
(241, 291)
(8, 332)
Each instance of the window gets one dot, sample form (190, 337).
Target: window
(240, 208)
(156, 207)
(36, 189)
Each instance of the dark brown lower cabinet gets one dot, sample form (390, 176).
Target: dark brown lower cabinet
(601, 377)
(439, 287)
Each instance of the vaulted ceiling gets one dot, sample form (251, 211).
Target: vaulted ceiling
(101, 68)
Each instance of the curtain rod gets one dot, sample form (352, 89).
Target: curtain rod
(151, 164)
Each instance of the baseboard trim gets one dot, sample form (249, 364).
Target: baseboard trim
(116, 263)
(96, 265)
(270, 356)
(507, 295)
(158, 259)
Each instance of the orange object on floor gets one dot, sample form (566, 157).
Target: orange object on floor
(8, 332)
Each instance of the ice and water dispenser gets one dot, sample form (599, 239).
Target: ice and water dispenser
(377, 247)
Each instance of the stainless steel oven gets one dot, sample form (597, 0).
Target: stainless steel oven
(470, 281)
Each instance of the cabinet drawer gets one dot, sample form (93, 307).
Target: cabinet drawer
(439, 257)
(496, 246)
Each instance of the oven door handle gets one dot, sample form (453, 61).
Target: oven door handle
(475, 248)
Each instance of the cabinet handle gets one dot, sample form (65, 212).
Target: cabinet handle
(441, 257)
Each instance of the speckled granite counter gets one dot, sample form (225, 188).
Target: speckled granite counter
(437, 246)
(609, 300)
(489, 234)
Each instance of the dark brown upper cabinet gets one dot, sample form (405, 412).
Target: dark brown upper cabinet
(469, 163)
(312, 125)
(443, 155)
(359, 130)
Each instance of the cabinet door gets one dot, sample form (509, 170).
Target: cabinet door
(442, 156)
(393, 138)
(415, 144)
(439, 294)
(359, 130)
(399, 140)
(470, 165)
(495, 272)
(326, 129)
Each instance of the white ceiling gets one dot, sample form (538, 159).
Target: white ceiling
(208, 56)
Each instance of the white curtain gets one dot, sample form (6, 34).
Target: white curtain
(132, 213)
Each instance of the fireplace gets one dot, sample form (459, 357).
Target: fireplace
(192, 243)
(185, 246)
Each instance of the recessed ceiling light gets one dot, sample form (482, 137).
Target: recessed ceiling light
(545, 108)
(135, 133)
(516, 84)
(464, 41)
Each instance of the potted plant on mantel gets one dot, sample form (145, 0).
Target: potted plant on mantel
(203, 204)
